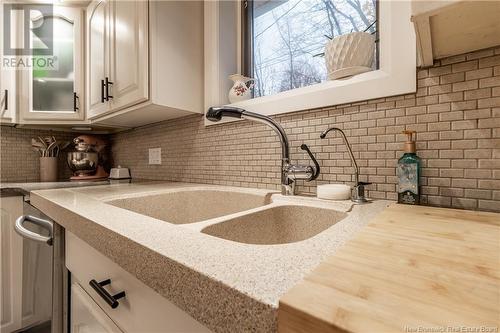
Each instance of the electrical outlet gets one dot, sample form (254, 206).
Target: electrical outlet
(154, 155)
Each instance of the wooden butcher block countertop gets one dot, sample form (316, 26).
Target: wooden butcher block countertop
(411, 269)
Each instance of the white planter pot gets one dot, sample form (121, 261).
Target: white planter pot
(349, 54)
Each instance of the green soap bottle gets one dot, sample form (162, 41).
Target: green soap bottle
(409, 173)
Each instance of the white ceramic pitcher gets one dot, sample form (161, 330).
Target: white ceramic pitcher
(241, 89)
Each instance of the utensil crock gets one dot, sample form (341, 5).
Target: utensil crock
(48, 169)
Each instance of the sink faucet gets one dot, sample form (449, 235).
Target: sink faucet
(289, 172)
(358, 194)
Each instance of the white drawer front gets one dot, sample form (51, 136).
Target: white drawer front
(87, 316)
(142, 309)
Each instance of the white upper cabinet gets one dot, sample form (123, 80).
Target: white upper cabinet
(97, 48)
(51, 91)
(128, 53)
(153, 61)
(7, 97)
(7, 86)
(113, 64)
(117, 55)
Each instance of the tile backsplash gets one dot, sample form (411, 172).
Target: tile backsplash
(456, 112)
(18, 161)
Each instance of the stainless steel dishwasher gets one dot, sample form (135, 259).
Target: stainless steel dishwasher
(34, 277)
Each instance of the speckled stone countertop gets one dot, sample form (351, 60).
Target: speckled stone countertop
(227, 286)
(33, 186)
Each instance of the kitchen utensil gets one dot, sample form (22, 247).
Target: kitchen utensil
(48, 146)
(50, 150)
(37, 143)
(42, 141)
(38, 150)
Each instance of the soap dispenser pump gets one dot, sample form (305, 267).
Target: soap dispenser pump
(409, 172)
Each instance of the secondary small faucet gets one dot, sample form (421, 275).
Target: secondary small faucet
(289, 172)
(359, 187)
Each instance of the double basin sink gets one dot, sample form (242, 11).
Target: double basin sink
(235, 215)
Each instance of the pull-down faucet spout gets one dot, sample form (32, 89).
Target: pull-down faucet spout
(289, 172)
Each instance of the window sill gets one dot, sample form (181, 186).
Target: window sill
(375, 84)
(370, 85)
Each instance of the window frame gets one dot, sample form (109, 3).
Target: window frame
(246, 38)
(247, 48)
(396, 74)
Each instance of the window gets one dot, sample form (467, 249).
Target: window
(284, 40)
(395, 61)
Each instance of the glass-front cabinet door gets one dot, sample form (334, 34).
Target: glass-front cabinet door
(52, 88)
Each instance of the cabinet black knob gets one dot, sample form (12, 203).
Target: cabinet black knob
(105, 295)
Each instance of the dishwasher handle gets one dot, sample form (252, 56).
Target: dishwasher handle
(45, 224)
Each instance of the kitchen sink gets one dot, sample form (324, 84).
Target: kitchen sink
(276, 225)
(190, 206)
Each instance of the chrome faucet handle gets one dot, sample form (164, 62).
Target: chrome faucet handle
(358, 194)
(299, 172)
(294, 172)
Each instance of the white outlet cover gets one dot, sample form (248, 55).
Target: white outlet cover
(154, 155)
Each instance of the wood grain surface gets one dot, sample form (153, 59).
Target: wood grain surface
(411, 269)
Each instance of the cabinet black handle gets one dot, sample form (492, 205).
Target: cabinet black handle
(108, 96)
(107, 297)
(75, 104)
(102, 92)
(6, 99)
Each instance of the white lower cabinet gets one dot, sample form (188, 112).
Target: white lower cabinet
(141, 310)
(87, 316)
(25, 267)
(11, 263)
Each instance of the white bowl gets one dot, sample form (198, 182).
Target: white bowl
(334, 192)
